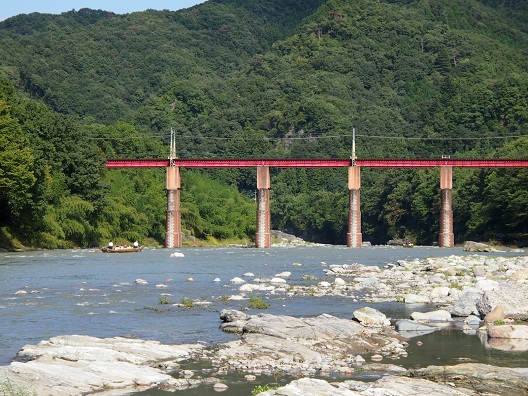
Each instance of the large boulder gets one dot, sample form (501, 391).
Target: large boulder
(512, 297)
(482, 378)
(303, 346)
(80, 365)
(371, 317)
(508, 331)
(390, 385)
(471, 246)
(231, 315)
(319, 328)
(432, 316)
(233, 320)
(496, 313)
(466, 305)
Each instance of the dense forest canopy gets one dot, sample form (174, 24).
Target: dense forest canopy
(263, 79)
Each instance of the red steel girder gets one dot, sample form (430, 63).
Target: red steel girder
(319, 163)
(276, 163)
(431, 163)
(230, 163)
(137, 163)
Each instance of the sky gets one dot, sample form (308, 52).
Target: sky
(10, 8)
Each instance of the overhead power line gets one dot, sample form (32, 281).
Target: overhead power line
(306, 137)
(441, 138)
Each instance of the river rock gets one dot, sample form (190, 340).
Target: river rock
(320, 328)
(439, 293)
(79, 365)
(433, 316)
(339, 282)
(220, 387)
(412, 298)
(237, 281)
(466, 305)
(236, 297)
(481, 378)
(520, 275)
(496, 313)
(302, 346)
(233, 321)
(472, 321)
(366, 282)
(278, 280)
(390, 385)
(436, 279)
(486, 284)
(350, 270)
(249, 287)
(173, 384)
(370, 317)
(231, 315)
(471, 246)
(512, 297)
(508, 331)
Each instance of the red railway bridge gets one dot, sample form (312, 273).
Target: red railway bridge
(354, 237)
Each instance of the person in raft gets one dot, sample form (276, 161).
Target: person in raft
(136, 245)
(110, 245)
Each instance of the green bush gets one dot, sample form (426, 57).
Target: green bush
(256, 302)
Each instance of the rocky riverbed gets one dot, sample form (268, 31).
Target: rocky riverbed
(486, 295)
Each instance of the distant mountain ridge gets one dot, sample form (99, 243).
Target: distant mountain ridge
(127, 57)
(267, 79)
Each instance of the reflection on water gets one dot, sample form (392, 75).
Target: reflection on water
(448, 347)
(504, 344)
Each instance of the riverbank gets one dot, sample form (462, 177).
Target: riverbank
(9, 243)
(462, 290)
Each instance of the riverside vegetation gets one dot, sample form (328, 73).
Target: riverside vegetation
(266, 78)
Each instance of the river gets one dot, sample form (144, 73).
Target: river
(92, 293)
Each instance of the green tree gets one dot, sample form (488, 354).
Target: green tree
(16, 173)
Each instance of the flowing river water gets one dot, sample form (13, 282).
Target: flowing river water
(92, 293)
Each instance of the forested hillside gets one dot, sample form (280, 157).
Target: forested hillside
(255, 79)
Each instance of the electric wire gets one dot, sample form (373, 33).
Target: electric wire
(308, 137)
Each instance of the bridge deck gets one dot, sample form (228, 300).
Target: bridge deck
(318, 163)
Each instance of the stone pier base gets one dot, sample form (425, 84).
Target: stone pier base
(263, 236)
(173, 236)
(354, 236)
(447, 238)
